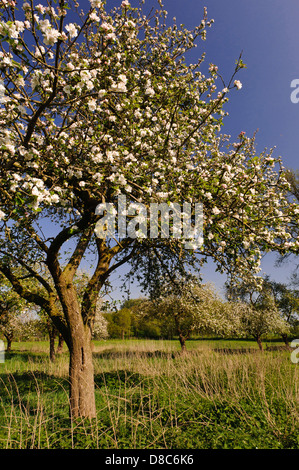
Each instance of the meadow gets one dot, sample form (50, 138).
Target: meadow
(220, 394)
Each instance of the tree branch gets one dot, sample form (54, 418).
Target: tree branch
(21, 290)
(33, 273)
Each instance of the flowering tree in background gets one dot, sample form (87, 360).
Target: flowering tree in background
(193, 307)
(100, 326)
(97, 104)
(286, 298)
(260, 313)
(10, 324)
(260, 320)
(12, 312)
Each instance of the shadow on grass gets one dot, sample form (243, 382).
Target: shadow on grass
(118, 378)
(25, 356)
(236, 350)
(267, 348)
(21, 384)
(15, 387)
(114, 354)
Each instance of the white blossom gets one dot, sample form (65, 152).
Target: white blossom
(238, 84)
(72, 30)
(149, 91)
(215, 210)
(51, 36)
(96, 3)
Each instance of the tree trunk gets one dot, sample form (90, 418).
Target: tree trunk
(9, 342)
(182, 342)
(79, 318)
(81, 376)
(77, 336)
(259, 342)
(52, 349)
(52, 334)
(60, 344)
(285, 339)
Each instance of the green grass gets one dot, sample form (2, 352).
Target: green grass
(151, 396)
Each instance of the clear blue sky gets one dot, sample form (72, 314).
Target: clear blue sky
(268, 34)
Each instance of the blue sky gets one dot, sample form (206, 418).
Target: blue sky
(267, 32)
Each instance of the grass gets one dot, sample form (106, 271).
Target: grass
(149, 396)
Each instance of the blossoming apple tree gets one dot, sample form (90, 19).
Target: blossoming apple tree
(13, 312)
(194, 307)
(261, 317)
(97, 104)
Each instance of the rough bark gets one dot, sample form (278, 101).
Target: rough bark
(182, 342)
(60, 344)
(81, 375)
(9, 338)
(81, 370)
(286, 339)
(52, 334)
(259, 342)
(52, 348)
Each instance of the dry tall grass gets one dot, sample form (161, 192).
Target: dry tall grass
(150, 395)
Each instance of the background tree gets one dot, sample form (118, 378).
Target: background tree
(12, 312)
(287, 302)
(10, 323)
(144, 326)
(259, 315)
(46, 326)
(100, 327)
(193, 307)
(119, 323)
(101, 104)
(260, 320)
